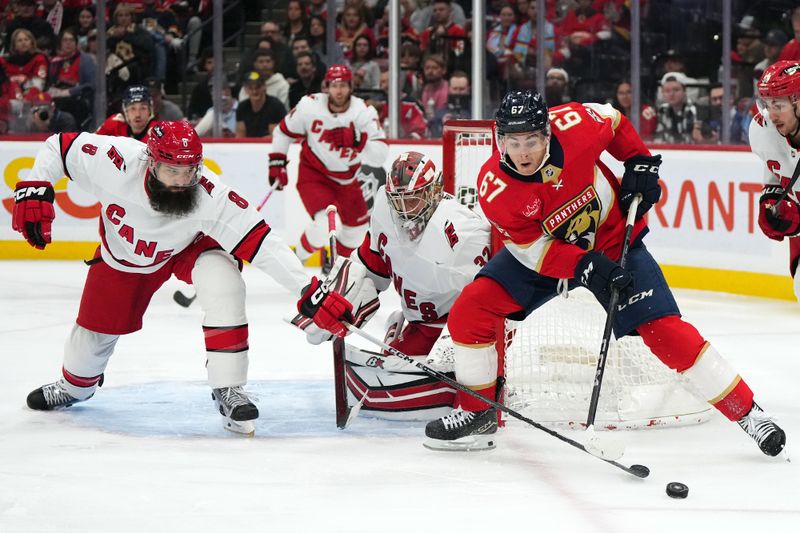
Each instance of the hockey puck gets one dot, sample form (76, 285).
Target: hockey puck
(677, 490)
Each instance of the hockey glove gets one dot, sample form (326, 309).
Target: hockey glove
(786, 223)
(600, 275)
(33, 212)
(640, 177)
(328, 309)
(277, 170)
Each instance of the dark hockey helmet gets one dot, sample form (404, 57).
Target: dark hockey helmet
(414, 190)
(177, 145)
(136, 93)
(522, 112)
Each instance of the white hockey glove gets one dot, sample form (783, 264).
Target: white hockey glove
(350, 280)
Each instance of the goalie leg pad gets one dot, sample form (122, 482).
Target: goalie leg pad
(86, 354)
(393, 389)
(349, 238)
(221, 293)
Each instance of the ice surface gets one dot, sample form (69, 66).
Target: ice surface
(148, 452)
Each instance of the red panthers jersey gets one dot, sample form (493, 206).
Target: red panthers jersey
(569, 206)
(116, 126)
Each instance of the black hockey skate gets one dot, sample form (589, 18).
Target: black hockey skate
(462, 431)
(51, 396)
(236, 408)
(761, 427)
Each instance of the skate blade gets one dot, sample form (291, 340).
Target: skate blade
(246, 427)
(470, 443)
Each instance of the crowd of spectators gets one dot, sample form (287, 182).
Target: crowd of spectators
(47, 71)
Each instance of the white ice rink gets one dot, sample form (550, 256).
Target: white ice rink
(148, 453)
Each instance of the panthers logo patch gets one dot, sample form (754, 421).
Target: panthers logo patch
(577, 220)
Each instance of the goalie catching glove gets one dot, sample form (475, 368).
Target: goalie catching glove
(784, 223)
(33, 212)
(346, 294)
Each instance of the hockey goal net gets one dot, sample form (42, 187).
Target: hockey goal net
(551, 357)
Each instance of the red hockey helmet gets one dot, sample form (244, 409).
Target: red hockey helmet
(176, 144)
(339, 73)
(782, 78)
(414, 190)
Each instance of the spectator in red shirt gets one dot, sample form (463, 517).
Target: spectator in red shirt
(432, 39)
(352, 26)
(791, 51)
(412, 117)
(622, 102)
(582, 27)
(25, 65)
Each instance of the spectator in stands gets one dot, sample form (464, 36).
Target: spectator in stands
(435, 89)
(582, 27)
(677, 115)
(318, 37)
(363, 63)
(72, 78)
(86, 23)
(302, 45)
(25, 65)
(740, 122)
(309, 79)
(352, 26)
(411, 67)
(672, 61)
(130, 50)
(707, 129)
(412, 118)
(156, 22)
(53, 13)
(318, 9)
(791, 51)
(283, 52)
(205, 127)
(259, 113)
(623, 101)
(556, 87)
(523, 46)
(499, 41)
(774, 41)
(46, 118)
(188, 32)
(26, 18)
(407, 33)
(10, 106)
(296, 21)
(200, 99)
(748, 52)
(274, 82)
(443, 36)
(163, 109)
(423, 17)
(458, 98)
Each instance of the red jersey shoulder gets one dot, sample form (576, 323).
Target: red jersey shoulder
(578, 127)
(759, 118)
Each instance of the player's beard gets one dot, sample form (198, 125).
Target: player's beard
(173, 203)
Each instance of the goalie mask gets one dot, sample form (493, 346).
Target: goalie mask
(414, 190)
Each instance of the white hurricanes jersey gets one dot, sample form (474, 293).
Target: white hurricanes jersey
(779, 157)
(430, 272)
(136, 238)
(312, 117)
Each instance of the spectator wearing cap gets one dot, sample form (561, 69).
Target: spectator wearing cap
(774, 41)
(672, 61)
(677, 115)
(556, 87)
(309, 79)
(163, 109)
(259, 113)
(46, 118)
(26, 18)
(791, 51)
(274, 83)
(749, 51)
(205, 126)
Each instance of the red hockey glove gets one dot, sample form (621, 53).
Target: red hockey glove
(345, 137)
(277, 170)
(33, 212)
(786, 223)
(328, 309)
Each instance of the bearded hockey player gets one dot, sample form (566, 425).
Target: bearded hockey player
(339, 133)
(561, 213)
(162, 213)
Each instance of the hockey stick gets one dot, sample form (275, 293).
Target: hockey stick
(339, 377)
(786, 189)
(640, 471)
(609, 448)
(185, 301)
(271, 190)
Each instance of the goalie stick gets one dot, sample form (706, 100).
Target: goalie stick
(609, 448)
(639, 471)
(339, 377)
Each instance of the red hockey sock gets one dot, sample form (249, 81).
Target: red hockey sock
(736, 403)
(469, 403)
